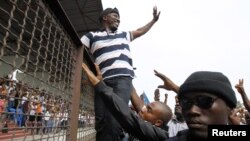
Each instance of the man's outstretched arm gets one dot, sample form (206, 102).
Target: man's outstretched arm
(130, 122)
(168, 83)
(136, 101)
(140, 31)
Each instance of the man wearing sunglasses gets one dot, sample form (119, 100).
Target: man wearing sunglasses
(206, 98)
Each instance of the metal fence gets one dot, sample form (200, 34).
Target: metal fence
(43, 95)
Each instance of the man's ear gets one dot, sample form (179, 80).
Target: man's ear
(158, 123)
(104, 18)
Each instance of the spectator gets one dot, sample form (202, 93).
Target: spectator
(155, 112)
(3, 105)
(4, 89)
(177, 123)
(247, 117)
(237, 117)
(241, 90)
(47, 121)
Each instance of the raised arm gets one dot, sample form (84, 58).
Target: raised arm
(130, 122)
(168, 84)
(241, 90)
(166, 99)
(136, 101)
(157, 95)
(140, 31)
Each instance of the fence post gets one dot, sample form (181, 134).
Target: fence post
(75, 99)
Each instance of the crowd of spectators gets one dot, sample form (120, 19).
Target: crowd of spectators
(36, 110)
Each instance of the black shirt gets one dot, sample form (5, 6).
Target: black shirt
(130, 122)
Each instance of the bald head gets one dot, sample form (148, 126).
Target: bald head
(165, 112)
(157, 113)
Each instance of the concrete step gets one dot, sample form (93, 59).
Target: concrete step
(14, 134)
(13, 131)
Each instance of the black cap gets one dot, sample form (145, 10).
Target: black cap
(108, 11)
(213, 82)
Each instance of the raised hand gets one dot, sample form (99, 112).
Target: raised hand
(240, 87)
(156, 14)
(157, 95)
(168, 84)
(166, 98)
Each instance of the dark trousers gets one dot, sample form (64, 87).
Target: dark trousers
(108, 129)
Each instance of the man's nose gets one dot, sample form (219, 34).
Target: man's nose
(194, 109)
(144, 109)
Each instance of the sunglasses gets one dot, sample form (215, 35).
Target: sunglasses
(204, 102)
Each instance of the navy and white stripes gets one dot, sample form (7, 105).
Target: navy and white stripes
(111, 52)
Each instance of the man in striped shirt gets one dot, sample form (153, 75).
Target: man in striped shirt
(110, 50)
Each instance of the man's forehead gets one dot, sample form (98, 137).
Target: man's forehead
(113, 13)
(153, 104)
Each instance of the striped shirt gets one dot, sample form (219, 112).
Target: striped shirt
(111, 52)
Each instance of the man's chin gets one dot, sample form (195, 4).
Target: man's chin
(114, 29)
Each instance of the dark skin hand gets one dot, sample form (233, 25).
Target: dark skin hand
(92, 78)
(234, 118)
(241, 90)
(240, 87)
(168, 84)
(166, 98)
(156, 14)
(142, 30)
(136, 101)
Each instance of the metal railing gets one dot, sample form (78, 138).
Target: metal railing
(43, 94)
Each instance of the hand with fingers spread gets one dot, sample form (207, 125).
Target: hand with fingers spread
(168, 84)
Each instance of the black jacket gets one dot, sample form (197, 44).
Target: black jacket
(184, 136)
(129, 121)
